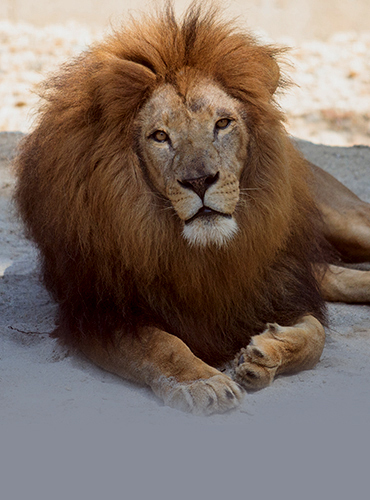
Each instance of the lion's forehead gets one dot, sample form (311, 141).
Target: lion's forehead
(201, 105)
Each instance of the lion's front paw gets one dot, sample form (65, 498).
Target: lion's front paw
(257, 364)
(203, 397)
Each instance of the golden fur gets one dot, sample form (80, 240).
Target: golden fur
(112, 224)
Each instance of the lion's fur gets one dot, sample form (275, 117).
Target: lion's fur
(112, 251)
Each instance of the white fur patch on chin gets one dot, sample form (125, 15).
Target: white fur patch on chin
(217, 230)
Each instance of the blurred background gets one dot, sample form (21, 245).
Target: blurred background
(329, 58)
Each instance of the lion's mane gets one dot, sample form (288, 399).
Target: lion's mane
(112, 253)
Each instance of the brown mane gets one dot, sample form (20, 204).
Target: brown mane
(112, 252)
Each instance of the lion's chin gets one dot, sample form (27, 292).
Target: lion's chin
(210, 230)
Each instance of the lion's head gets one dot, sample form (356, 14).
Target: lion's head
(193, 143)
(160, 178)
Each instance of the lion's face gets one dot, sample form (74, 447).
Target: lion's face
(194, 149)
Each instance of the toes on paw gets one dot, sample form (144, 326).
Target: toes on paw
(251, 375)
(229, 394)
(211, 401)
(204, 397)
(257, 352)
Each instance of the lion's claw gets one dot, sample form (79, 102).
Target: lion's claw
(257, 364)
(205, 396)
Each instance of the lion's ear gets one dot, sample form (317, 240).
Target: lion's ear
(141, 71)
(272, 73)
(120, 88)
(268, 68)
(248, 69)
(126, 76)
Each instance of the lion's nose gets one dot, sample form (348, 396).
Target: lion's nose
(200, 184)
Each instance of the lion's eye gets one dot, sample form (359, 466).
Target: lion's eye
(160, 136)
(223, 123)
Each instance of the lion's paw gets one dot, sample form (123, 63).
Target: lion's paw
(257, 364)
(205, 396)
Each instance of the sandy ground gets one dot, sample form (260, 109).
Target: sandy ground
(42, 382)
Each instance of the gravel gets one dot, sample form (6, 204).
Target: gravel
(329, 102)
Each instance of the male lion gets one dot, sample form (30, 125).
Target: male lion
(175, 219)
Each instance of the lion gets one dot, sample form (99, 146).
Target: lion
(178, 227)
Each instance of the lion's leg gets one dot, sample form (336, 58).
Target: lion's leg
(280, 349)
(167, 365)
(340, 284)
(346, 217)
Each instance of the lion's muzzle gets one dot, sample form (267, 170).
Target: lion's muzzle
(206, 206)
(200, 184)
(206, 212)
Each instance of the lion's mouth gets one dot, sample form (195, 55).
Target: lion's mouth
(206, 212)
